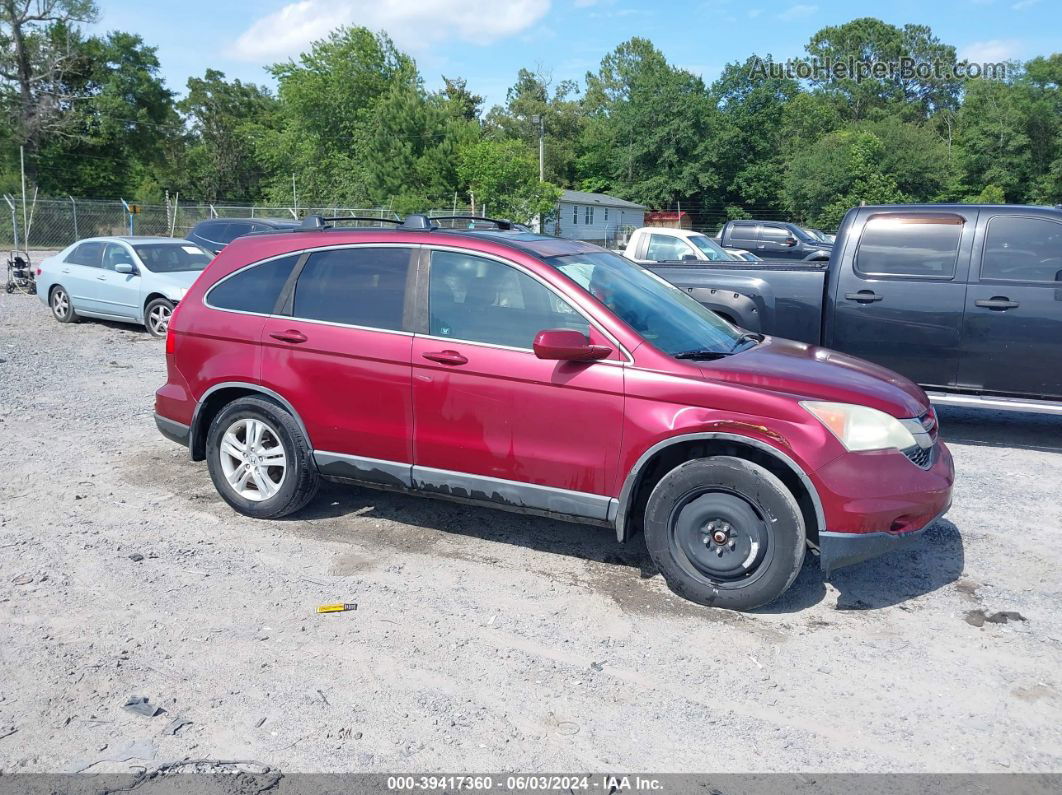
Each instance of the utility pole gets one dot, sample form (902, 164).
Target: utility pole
(294, 196)
(25, 218)
(541, 122)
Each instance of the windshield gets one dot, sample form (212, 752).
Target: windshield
(661, 313)
(172, 257)
(712, 250)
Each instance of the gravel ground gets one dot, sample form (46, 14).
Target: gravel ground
(482, 640)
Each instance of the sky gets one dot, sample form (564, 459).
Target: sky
(488, 42)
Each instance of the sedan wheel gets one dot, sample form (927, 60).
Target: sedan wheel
(157, 317)
(252, 459)
(62, 306)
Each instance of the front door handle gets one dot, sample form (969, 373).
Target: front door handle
(66, 270)
(452, 358)
(291, 335)
(101, 278)
(997, 302)
(864, 296)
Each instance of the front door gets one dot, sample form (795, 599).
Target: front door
(493, 421)
(338, 351)
(118, 293)
(898, 299)
(1012, 327)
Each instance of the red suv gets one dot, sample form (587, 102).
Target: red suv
(545, 376)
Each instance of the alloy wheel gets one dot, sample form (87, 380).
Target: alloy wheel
(159, 319)
(252, 459)
(60, 304)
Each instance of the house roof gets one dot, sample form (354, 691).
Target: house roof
(581, 197)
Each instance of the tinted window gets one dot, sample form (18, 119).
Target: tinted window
(115, 254)
(743, 231)
(255, 289)
(480, 300)
(90, 254)
(664, 247)
(172, 257)
(1023, 249)
(235, 230)
(354, 286)
(211, 231)
(923, 246)
(774, 234)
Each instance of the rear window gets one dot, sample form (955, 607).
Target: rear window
(1023, 250)
(355, 287)
(255, 289)
(90, 254)
(914, 246)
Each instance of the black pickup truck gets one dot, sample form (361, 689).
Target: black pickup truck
(966, 300)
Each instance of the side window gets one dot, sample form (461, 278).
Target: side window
(773, 234)
(355, 287)
(589, 215)
(212, 231)
(604, 210)
(90, 254)
(918, 246)
(255, 289)
(480, 300)
(234, 230)
(575, 213)
(115, 254)
(743, 232)
(1023, 249)
(663, 248)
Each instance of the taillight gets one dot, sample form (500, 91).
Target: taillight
(171, 341)
(39, 271)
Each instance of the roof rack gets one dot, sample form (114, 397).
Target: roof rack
(501, 223)
(314, 222)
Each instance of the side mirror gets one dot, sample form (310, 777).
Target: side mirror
(689, 257)
(567, 346)
(790, 241)
(123, 267)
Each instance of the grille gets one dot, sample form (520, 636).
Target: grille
(920, 456)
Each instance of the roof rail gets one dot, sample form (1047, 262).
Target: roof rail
(315, 222)
(501, 223)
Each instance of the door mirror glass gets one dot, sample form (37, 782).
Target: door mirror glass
(123, 267)
(568, 346)
(790, 241)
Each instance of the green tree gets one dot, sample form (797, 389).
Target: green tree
(226, 120)
(503, 177)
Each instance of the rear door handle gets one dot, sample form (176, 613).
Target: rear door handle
(291, 335)
(452, 358)
(999, 303)
(864, 296)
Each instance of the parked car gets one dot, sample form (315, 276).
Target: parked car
(823, 236)
(774, 240)
(216, 233)
(550, 377)
(130, 279)
(664, 244)
(962, 299)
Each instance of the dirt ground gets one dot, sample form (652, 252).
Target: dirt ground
(482, 641)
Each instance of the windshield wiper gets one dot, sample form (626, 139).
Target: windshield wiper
(748, 336)
(702, 353)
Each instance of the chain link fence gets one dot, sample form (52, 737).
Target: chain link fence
(53, 223)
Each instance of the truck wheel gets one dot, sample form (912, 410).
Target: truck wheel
(725, 532)
(259, 460)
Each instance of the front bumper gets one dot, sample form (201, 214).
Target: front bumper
(837, 550)
(172, 430)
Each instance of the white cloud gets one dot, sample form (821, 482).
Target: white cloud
(413, 26)
(798, 11)
(991, 51)
(1021, 5)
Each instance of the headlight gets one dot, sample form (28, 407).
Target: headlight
(861, 427)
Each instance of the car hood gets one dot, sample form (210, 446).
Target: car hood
(815, 373)
(176, 281)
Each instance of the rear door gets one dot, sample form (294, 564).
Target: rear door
(118, 293)
(339, 350)
(78, 274)
(899, 292)
(1012, 327)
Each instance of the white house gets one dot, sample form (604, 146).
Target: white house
(595, 218)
